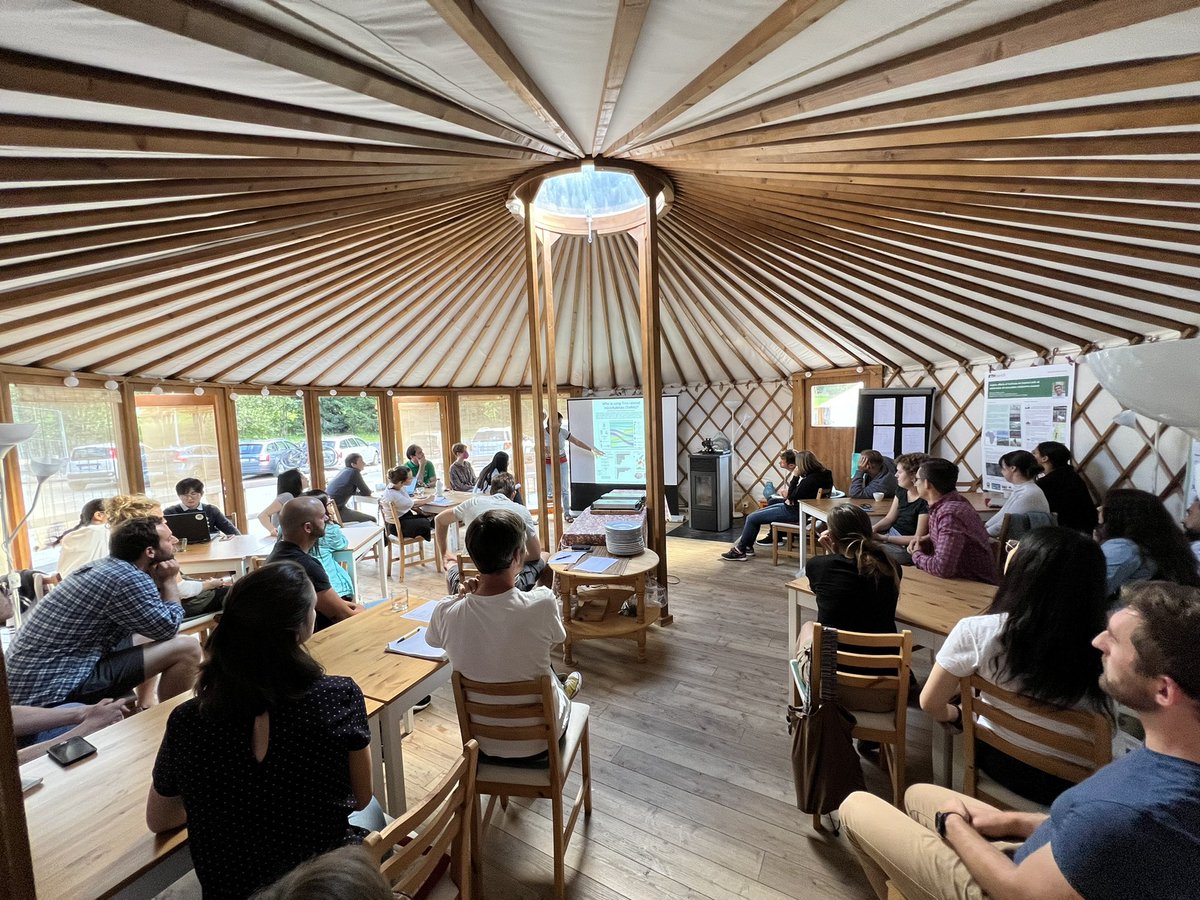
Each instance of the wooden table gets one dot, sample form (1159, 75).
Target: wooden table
(588, 527)
(224, 555)
(929, 607)
(364, 537)
(876, 510)
(612, 590)
(87, 823)
(431, 509)
(356, 647)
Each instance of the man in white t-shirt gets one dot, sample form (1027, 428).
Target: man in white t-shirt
(496, 632)
(534, 570)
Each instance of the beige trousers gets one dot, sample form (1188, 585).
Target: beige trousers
(905, 849)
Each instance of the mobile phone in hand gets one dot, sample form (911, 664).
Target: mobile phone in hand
(70, 751)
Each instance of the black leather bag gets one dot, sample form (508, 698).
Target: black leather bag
(824, 763)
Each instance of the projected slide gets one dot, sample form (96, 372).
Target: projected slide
(619, 432)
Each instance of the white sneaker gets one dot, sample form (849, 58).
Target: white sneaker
(571, 684)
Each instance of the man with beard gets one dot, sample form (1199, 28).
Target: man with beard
(77, 646)
(301, 524)
(1131, 829)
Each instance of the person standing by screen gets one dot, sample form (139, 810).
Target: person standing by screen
(559, 448)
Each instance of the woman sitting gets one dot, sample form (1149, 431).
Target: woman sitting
(856, 585)
(410, 522)
(1036, 640)
(1019, 468)
(498, 465)
(808, 477)
(1140, 541)
(289, 484)
(908, 517)
(1065, 490)
(86, 542)
(333, 539)
(267, 761)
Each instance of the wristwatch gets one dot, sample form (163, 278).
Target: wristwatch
(939, 822)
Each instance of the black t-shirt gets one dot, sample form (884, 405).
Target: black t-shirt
(250, 822)
(286, 550)
(909, 512)
(850, 601)
(1069, 497)
(806, 488)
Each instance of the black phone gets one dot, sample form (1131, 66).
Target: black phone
(71, 751)
(584, 547)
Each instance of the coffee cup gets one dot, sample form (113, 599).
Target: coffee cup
(878, 495)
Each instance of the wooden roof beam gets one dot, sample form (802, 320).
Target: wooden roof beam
(631, 15)
(239, 34)
(472, 26)
(787, 21)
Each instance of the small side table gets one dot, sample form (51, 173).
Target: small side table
(612, 590)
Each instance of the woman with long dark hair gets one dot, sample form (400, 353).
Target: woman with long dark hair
(856, 584)
(1065, 490)
(85, 542)
(267, 761)
(1141, 541)
(1019, 469)
(498, 465)
(1036, 640)
(289, 484)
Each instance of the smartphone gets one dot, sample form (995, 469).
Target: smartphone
(583, 547)
(71, 751)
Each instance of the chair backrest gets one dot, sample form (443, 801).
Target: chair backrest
(979, 698)
(1016, 525)
(822, 493)
(391, 515)
(524, 709)
(893, 666)
(441, 823)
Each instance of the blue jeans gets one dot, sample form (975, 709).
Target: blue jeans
(564, 485)
(776, 512)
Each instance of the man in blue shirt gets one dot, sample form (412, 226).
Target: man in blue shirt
(1130, 830)
(76, 646)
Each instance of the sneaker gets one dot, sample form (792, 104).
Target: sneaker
(749, 551)
(765, 541)
(734, 554)
(571, 684)
(421, 704)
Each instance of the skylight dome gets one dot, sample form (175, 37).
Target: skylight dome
(590, 192)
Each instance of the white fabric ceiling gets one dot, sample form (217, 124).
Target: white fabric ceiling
(856, 181)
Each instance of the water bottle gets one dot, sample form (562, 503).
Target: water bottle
(438, 495)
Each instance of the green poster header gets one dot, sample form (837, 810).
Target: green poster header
(1027, 388)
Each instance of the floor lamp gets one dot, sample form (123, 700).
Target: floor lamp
(12, 434)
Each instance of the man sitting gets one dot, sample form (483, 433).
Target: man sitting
(301, 524)
(534, 569)
(76, 645)
(958, 545)
(876, 475)
(421, 468)
(349, 483)
(496, 632)
(1130, 830)
(190, 492)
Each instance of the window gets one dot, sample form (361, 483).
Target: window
(271, 439)
(179, 440)
(527, 440)
(419, 420)
(590, 193)
(835, 405)
(351, 425)
(486, 422)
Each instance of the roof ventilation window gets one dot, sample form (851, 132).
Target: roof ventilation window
(589, 194)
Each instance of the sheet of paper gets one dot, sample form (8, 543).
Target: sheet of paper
(424, 612)
(415, 645)
(566, 557)
(885, 411)
(912, 440)
(883, 439)
(595, 564)
(914, 411)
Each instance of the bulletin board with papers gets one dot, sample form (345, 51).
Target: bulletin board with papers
(894, 421)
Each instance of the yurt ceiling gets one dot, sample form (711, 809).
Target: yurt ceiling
(313, 193)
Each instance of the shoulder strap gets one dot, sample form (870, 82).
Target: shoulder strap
(829, 645)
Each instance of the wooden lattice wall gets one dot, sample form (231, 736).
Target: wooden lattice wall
(1109, 455)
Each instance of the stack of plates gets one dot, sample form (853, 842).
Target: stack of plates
(624, 538)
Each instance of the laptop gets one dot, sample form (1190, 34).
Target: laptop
(410, 487)
(192, 526)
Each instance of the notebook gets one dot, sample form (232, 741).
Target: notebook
(192, 526)
(414, 644)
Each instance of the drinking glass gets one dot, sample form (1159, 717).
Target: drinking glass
(400, 600)
(183, 545)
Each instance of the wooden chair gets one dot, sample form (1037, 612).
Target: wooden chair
(398, 546)
(1014, 526)
(412, 849)
(982, 699)
(200, 627)
(255, 563)
(889, 729)
(532, 705)
(790, 531)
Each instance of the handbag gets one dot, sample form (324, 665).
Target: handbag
(825, 765)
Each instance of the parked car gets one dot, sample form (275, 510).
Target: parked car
(343, 445)
(192, 461)
(270, 457)
(96, 465)
(328, 457)
(489, 441)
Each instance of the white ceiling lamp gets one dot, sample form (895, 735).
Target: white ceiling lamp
(111, 385)
(71, 381)
(198, 391)
(157, 390)
(389, 393)
(266, 392)
(234, 395)
(362, 393)
(333, 392)
(299, 393)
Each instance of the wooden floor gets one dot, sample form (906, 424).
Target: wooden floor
(692, 789)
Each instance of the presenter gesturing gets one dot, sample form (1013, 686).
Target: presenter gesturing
(560, 448)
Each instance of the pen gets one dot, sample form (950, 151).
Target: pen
(405, 637)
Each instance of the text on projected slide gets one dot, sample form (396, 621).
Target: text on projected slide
(619, 430)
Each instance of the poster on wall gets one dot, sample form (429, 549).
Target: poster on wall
(1022, 408)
